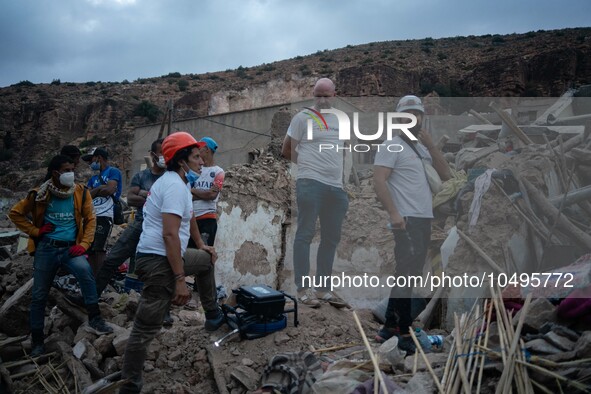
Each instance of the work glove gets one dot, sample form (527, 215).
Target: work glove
(76, 250)
(46, 228)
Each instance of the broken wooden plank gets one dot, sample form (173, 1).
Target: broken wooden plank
(511, 123)
(479, 117)
(480, 252)
(551, 212)
(570, 143)
(572, 197)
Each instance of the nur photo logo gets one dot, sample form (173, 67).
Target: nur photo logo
(391, 120)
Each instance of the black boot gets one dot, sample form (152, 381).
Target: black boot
(37, 338)
(214, 319)
(96, 324)
(168, 320)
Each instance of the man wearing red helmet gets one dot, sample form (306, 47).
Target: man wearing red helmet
(163, 260)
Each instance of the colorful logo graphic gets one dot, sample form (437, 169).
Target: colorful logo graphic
(318, 118)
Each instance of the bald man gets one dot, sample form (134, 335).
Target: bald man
(319, 195)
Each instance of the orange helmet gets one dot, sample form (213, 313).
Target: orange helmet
(177, 141)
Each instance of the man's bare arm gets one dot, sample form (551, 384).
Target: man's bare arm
(288, 149)
(380, 176)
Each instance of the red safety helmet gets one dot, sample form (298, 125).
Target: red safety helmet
(177, 141)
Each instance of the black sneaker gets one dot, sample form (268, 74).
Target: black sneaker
(215, 323)
(406, 343)
(98, 326)
(386, 333)
(37, 350)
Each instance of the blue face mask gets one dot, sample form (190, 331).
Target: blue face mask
(95, 166)
(191, 176)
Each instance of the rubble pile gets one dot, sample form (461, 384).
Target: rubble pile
(533, 216)
(266, 179)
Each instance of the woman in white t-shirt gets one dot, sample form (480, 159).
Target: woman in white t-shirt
(163, 260)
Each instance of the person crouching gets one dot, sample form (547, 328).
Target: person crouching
(162, 257)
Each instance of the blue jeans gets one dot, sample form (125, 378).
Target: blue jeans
(47, 261)
(410, 252)
(123, 249)
(317, 200)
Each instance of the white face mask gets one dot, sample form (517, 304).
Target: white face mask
(67, 179)
(161, 163)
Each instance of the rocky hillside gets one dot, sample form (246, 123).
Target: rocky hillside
(37, 119)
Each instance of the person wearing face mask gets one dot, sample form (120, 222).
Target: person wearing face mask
(206, 192)
(125, 246)
(319, 194)
(163, 259)
(402, 187)
(105, 188)
(61, 228)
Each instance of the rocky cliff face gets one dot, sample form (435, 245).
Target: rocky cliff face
(36, 120)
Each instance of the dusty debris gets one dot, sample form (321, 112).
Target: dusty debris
(479, 352)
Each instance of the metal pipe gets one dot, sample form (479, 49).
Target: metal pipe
(573, 196)
(553, 120)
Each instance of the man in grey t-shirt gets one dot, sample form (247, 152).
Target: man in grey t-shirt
(319, 194)
(402, 187)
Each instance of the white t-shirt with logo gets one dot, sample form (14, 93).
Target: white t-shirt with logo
(209, 176)
(407, 182)
(169, 194)
(324, 166)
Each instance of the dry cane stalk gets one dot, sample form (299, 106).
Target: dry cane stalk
(371, 355)
(454, 384)
(483, 357)
(463, 327)
(515, 341)
(471, 348)
(427, 363)
(479, 333)
(454, 360)
(339, 347)
(461, 365)
(572, 383)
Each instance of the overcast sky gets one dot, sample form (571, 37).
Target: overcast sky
(113, 40)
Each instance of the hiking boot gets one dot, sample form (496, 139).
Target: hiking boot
(386, 333)
(98, 326)
(308, 297)
(215, 322)
(168, 320)
(333, 299)
(37, 350)
(407, 344)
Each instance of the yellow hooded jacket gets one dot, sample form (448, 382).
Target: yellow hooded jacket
(25, 210)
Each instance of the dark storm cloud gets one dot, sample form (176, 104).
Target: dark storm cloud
(112, 40)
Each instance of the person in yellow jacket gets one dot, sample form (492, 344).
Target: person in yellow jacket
(59, 219)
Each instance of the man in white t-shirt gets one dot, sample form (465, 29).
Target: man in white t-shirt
(401, 186)
(319, 194)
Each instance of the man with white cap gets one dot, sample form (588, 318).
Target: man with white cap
(401, 185)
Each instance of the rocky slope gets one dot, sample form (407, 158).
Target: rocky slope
(36, 120)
